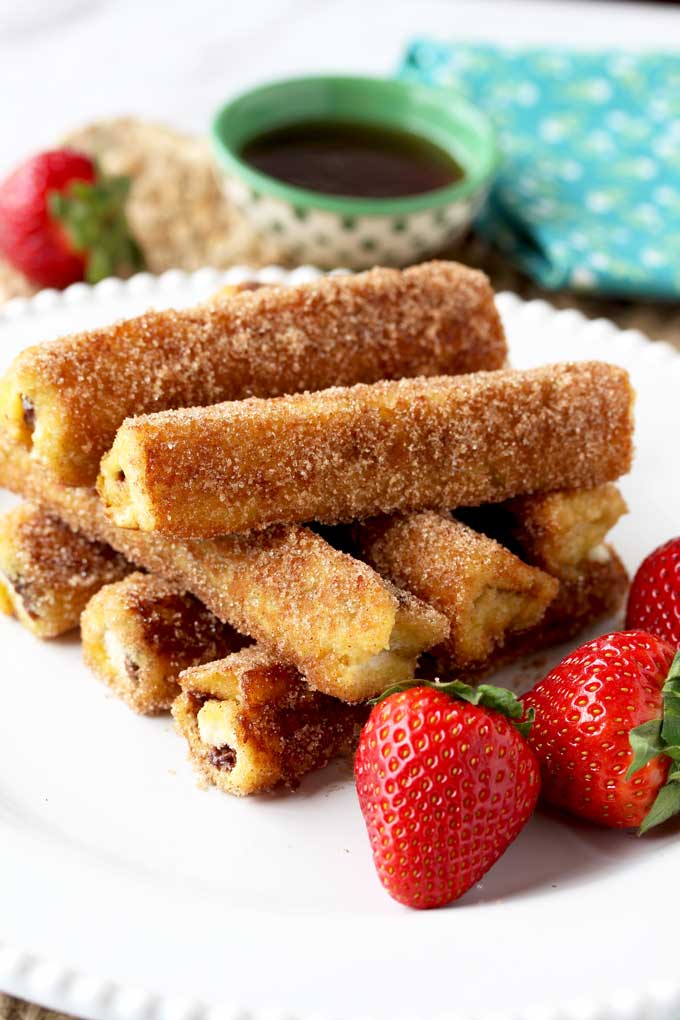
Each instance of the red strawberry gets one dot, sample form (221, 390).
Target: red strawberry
(654, 598)
(445, 785)
(61, 222)
(607, 731)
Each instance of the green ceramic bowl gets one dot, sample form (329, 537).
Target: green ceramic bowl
(335, 230)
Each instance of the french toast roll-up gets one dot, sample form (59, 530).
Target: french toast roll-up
(48, 572)
(484, 590)
(564, 534)
(350, 632)
(64, 399)
(593, 592)
(564, 531)
(140, 633)
(561, 532)
(253, 723)
(348, 453)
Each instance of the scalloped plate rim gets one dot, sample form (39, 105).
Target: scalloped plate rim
(58, 986)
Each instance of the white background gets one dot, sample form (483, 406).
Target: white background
(65, 62)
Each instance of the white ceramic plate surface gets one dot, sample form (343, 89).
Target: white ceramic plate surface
(127, 893)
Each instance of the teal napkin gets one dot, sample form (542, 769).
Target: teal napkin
(588, 193)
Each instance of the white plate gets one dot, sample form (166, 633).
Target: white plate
(126, 892)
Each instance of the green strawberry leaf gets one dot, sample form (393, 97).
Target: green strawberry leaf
(670, 729)
(667, 802)
(661, 737)
(523, 726)
(500, 699)
(93, 217)
(646, 743)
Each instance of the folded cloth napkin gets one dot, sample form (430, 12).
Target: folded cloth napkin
(588, 192)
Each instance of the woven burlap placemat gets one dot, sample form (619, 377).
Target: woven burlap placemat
(183, 221)
(17, 1009)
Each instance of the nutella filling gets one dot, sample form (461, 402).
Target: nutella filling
(252, 285)
(29, 413)
(197, 700)
(222, 757)
(22, 589)
(132, 669)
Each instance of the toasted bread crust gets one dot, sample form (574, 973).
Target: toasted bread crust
(350, 632)
(279, 729)
(560, 531)
(140, 633)
(349, 453)
(49, 572)
(484, 590)
(384, 324)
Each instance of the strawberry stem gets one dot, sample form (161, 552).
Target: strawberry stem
(661, 737)
(670, 728)
(500, 699)
(93, 217)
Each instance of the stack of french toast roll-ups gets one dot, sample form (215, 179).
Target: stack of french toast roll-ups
(273, 506)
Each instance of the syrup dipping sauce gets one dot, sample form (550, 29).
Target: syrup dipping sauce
(354, 159)
(342, 170)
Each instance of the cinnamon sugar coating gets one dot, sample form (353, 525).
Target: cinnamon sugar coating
(562, 532)
(593, 592)
(252, 723)
(351, 633)
(49, 572)
(485, 592)
(349, 453)
(140, 633)
(559, 531)
(435, 318)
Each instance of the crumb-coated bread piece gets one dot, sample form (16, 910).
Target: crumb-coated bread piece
(63, 400)
(563, 533)
(140, 633)
(230, 290)
(253, 723)
(49, 572)
(557, 531)
(594, 591)
(349, 453)
(484, 591)
(350, 632)
(560, 531)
